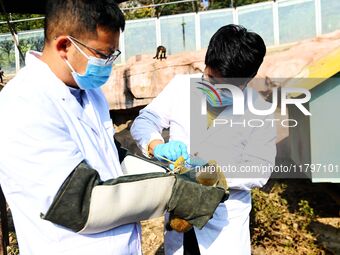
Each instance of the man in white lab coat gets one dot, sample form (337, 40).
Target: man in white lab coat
(234, 56)
(59, 166)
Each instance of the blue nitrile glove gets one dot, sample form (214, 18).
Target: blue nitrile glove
(171, 150)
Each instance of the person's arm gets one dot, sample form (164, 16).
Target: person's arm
(87, 205)
(148, 126)
(147, 129)
(44, 167)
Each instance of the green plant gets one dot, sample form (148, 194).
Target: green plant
(278, 228)
(305, 209)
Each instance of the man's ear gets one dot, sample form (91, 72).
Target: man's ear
(62, 45)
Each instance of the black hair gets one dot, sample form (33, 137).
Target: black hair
(235, 52)
(80, 18)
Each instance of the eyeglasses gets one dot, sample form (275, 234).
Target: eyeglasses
(108, 57)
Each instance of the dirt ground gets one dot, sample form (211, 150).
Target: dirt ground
(152, 237)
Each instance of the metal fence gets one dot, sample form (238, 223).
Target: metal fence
(279, 22)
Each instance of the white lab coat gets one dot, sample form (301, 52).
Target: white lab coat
(44, 135)
(228, 231)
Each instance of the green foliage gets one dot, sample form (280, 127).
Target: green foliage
(172, 9)
(131, 14)
(13, 248)
(32, 43)
(6, 47)
(148, 12)
(21, 26)
(7, 59)
(218, 4)
(175, 8)
(306, 211)
(140, 13)
(245, 2)
(274, 223)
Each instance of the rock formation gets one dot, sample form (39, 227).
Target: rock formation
(141, 79)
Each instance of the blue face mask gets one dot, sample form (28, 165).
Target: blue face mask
(226, 98)
(97, 71)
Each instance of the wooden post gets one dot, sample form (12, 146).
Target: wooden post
(4, 237)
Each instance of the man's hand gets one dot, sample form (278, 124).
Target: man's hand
(171, 150)
(192, 203)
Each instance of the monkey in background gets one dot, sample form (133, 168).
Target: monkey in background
(1, 75)
(160, 53)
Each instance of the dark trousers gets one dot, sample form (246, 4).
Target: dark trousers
(190, 243)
